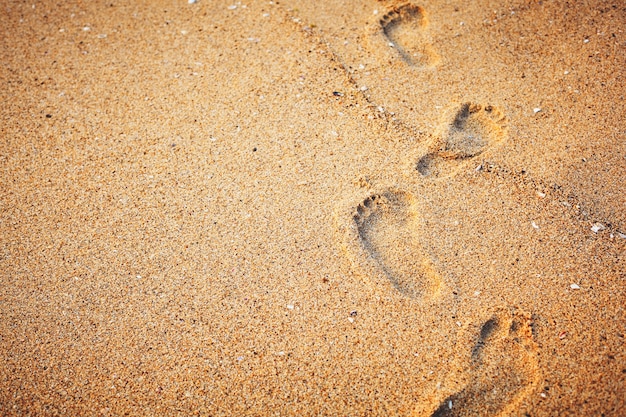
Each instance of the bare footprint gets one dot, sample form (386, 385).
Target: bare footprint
(503, 368)
(385, 231)
(404, 29)
(467, 131)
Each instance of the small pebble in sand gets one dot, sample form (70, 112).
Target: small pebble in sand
(535, 225)
(562, 335)
(622, 235)
(337, 94)
(353, 313)
(476, 293)
(543, 395)
(363, 88)
(458, 323)
(450, 404)
(86, 28)
(350, 319)
(232, 7)
(565, 72)
(391, 44)
(586, 41)
(290, 306)
(375, 11)
(540, 194)
(597, 227)
(574, 287)
(536, 110)
(191, 1)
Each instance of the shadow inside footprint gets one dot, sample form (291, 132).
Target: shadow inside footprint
(469, 131)
(388, 230)
(503, 369)
(404, 28)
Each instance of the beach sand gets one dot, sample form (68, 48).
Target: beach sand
(313, 208)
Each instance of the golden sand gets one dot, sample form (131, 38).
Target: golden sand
(312, 208)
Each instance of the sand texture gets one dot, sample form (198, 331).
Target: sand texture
(303, 207)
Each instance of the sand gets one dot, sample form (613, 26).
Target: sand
(312, 208)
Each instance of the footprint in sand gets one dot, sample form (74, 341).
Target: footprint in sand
(384, 235)
(404, 30)
(503, 368)
(467, 131)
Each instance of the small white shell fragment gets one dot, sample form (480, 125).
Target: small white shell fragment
(565, 72)
(232, 7)
(476, 293)
(363, 88)
(391, 44)
(184, 32)
(350, 319)
(86, 28)
(290, 306)
(458, 323)
(536, 110)
(575, 286)
(540, 194)
(543, 395)
(535, 225)
(102, 36)
(450, 404)
(192, 1)
(597, 227)
(586, 41)
(381, 109)
(622, 235)
(375, 11)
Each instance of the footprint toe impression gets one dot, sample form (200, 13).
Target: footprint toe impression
(403, 28)
(388, 231)
(503, 369)
(469, 131)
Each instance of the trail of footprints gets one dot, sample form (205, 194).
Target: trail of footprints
(386, 244)
(503, 364)
(387, 223)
